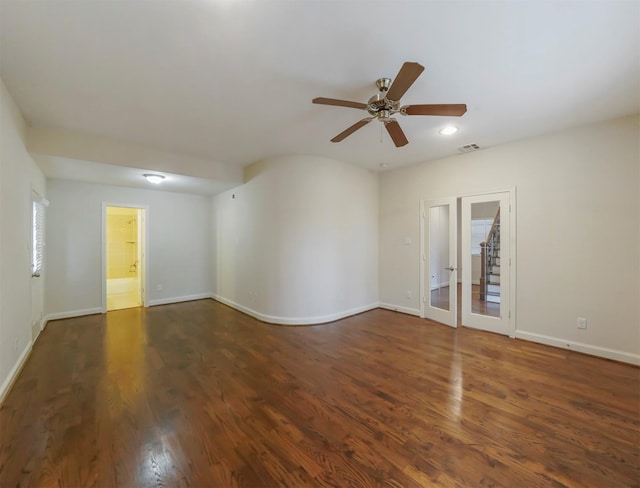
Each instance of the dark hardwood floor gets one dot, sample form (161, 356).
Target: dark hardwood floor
(197, 394)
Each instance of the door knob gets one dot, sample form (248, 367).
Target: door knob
(450, 268)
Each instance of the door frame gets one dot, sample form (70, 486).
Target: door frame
(511, 313)
(144, 229)
(446, 317)
(512, 191)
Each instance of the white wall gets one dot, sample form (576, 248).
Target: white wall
(577, 220)
(84, 147)
(179, 245)
(297, 243)
(18, 176)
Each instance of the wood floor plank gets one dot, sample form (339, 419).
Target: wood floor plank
(198, 394)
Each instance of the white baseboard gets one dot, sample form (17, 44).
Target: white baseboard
(6, 385)
(40, 326)
(185, 298)
(398, 308)
(278, 320)
(70, 314)
(604, 352)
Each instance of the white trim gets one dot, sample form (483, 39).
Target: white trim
(13, 374)
(71, 314)
(422, 266)
(398, 308)
(506, 324)
(447, 317)
(513, 270)
(40, 324)
(603, 352)
(185, 298)
(273, 319)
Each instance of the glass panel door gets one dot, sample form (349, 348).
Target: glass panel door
(439, 261)
(485, 262)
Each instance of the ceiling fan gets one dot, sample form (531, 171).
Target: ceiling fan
(387, 103)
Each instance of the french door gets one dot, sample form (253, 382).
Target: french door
(487, 247)
(439, 261)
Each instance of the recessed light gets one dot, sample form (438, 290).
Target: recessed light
(384, 165)
(153, 178)
(447, 131)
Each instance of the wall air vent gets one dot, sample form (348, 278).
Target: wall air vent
(469, 148)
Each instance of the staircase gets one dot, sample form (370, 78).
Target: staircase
(490, 264)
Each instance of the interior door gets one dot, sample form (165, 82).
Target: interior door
(486, 262)
(439, 261)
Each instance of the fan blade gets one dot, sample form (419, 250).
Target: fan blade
(396, 133)
(455, 110)
(404, 79)
(347, 132)
(339, 103)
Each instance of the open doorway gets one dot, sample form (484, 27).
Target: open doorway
(123, 250)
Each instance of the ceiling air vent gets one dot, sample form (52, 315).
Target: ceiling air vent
(469, 148)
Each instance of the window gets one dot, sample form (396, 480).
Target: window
(37, 237)
(480, 229)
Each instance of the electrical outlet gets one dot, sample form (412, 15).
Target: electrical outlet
(159, 287)
(582, 323)
(409, 294)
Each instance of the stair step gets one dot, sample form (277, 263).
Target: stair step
(493, 288)
(493, 299)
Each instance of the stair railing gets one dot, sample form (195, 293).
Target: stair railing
(486, 255)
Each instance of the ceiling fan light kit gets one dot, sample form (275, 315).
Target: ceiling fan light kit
(386, 103)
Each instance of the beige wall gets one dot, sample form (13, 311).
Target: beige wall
(178, 240)
(297, 243)
(20, 294)
(578, 248)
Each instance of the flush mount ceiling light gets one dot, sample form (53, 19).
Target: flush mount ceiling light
(152, 178)
(447, 131)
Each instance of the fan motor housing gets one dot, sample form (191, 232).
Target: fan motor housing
(380, 106)
(377, 105)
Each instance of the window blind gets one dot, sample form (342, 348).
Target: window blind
(37, 245)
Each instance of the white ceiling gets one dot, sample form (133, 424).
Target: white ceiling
(109, 174)
(232, 80)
